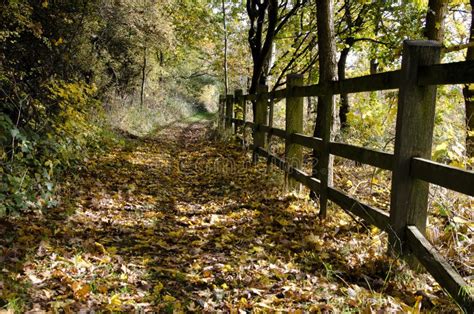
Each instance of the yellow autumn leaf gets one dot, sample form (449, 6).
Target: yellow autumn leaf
(59, 41)
(417, 306)
(169, 298)
(283, 222)
(257, 249)
(374, 230)
(115, 300)
(157, 289)
(112, 250)
(163, 244)
(176, 234)
(100, 247)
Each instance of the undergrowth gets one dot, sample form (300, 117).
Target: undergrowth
(36, 151)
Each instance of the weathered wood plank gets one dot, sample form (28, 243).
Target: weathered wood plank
(323, 161)
(414, 136)
(439, 74)
(271, 108)
(221, 114)
(273, 131)
(278, 94)
(244, 118)
(311, 183)
(229, 113)
(311, 90)
(294, 124)
(278, 132)
(366, 156)
(260, 118)
(446, 176)
(449, 73)
(440, 269)
(368, 83)
(307, 141)
(300, 139)
(372, 215)
(238, 104)
(280, 163)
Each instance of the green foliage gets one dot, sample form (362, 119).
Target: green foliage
(372, 120)
(449, 140)
(63, 63)
(31, 159)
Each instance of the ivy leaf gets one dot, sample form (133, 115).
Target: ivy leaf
(14, 132)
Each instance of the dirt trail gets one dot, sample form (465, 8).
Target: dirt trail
(181, 223)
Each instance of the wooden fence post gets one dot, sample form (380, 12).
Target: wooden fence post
(294, 124)
(271, 107)
(237, 106)
(221, 113)
(229, 114)
(244, 117)
(323, 160)
(259, 138)
(414, 135)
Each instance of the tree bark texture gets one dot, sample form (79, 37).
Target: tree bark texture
(468, 92)
(434, 28)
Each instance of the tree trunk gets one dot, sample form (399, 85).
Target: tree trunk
(434, 28)
(341, 66)
(373, 66)
(373, 61)
(260, 46)
(226, 80)
(142, 91)
(468, 92)
(309, 108)
(325, 119)
(161, 59)
(341, 72)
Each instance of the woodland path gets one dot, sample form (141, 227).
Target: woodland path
(178, 222)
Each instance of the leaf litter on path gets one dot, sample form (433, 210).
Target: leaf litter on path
(180, 223)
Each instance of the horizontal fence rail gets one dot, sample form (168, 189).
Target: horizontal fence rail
(455, 179)
(363, 155)
(451, 73)
(438, 74)
(439, 268)
(410, 164)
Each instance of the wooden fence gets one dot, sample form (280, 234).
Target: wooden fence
(411, 164)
